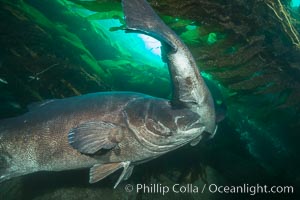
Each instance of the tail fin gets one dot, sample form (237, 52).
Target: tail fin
(11, 189)
(4, 165)
(140, 17)
(8, 168)
(6, 171)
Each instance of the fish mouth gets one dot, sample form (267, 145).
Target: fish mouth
(203, 135)
(193, 141)
(196, 140)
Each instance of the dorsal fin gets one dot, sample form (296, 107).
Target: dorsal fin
(146, 21)
(36, 105)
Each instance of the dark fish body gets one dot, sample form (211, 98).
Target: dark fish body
(38, 140)
(113, 130)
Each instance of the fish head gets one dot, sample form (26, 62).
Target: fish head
(175, 127)
(161, 128)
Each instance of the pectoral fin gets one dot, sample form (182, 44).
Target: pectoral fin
(90, 137)
(100, 171)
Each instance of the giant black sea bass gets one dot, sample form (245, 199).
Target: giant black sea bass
(108, 131)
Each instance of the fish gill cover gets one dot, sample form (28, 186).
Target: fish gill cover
(248, 52)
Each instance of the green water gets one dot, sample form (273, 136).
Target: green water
(61, 48)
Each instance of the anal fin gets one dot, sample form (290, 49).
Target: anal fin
(100, 171)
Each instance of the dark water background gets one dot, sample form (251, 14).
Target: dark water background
(249, 59)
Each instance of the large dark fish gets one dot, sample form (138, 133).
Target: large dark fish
(113, 130)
